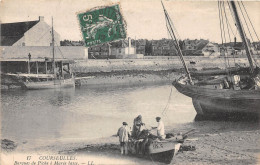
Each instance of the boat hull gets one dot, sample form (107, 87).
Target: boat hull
(156, 150)
(52, 84)
(208, 101)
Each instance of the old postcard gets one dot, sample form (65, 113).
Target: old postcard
(129, 82)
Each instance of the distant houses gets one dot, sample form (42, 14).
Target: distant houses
(140, 46)
(120, 49)
(237, 49)
(166, 47)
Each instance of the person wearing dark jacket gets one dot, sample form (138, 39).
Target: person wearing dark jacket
(137, 126)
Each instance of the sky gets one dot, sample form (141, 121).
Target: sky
(145, 18)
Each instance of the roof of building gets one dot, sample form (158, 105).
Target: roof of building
(202, 44)
(12, 32)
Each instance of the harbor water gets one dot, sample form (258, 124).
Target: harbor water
(42, 117)
(83, 113)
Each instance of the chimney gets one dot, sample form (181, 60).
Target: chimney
(129, 45)
(129, 42)
(41, 18)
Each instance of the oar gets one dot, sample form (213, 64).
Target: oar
(186, 133)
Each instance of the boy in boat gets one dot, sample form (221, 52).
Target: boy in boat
(160, 128)
(123, 134)
(137, 126)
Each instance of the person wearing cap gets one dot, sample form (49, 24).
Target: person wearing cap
(160, 128)
(137, 126)
(123, 134)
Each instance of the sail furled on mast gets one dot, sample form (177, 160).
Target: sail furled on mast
(170, 29)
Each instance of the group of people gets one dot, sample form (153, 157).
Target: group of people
(138, 125)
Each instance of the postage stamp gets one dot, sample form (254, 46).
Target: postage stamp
(101, 25)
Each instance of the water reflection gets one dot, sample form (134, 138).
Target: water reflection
(62, 98)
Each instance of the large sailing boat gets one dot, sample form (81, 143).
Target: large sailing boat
(217, 93)
(56, 73)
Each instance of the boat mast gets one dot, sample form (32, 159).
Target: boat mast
(173, 36)
(243, 36)
(53, 58)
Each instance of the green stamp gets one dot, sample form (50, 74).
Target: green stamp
(102, 25)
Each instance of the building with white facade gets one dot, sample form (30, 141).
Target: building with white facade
(125, 50)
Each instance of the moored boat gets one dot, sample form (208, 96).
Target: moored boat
(151, 147)
(39, 76)
(38, 73)
(216, 101)
(222, 92)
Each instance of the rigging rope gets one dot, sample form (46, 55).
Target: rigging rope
(167, 105)
(234, 35)
(220, 22)
(59, 50)
(232, 14)
(250, 21)
(229, 27)
(256, 63)
(229, 73)
(175, 30)
(227, 23)
(222, 31)
(43, 35)
(223, 27)
(245, 22)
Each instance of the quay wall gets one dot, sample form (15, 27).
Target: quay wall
(142, 71)
(154, 64)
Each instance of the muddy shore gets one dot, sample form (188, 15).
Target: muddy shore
(215, 142)
(126, 77)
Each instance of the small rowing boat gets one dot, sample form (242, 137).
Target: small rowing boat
(155, 149)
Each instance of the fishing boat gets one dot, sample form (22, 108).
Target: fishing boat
(41, 73)
(221, 92)
(155, 149)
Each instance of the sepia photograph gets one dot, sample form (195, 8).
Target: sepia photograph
(130, 82)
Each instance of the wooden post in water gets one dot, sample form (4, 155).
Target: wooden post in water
(37, 67)
(53, 58)
(62, 73)
(46, 66)
(29, 59)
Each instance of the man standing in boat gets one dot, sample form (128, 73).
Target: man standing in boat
(160, 128)
(123, 134)
(137, 126)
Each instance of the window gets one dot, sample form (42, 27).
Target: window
(119, 50)
(23, 44)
